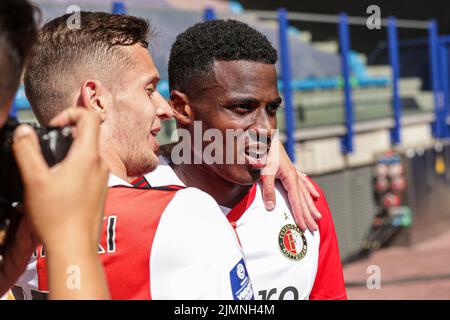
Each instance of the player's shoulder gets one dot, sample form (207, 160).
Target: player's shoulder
(316, 185)
(321, 202)
(198, 203)
(195, 197)
(326, 222)
(163, 174)
(281, 192)
(200, 217)
(128, 196)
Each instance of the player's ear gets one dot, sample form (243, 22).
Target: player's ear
(181, 106)
(96, 97)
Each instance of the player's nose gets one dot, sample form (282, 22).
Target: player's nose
(163, 109)
(262, 125)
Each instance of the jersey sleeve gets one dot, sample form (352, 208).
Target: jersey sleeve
(329, 283)
(195, 252)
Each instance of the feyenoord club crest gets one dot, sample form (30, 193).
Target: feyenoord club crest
(292, 242)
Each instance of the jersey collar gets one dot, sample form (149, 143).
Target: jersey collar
(163, 175)
(116, 181)
(242, 206)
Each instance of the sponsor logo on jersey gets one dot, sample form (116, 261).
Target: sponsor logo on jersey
(292, 242)
(241, 273)
(240, 282)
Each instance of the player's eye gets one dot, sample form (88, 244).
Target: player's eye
(273, 108)
(242, 109)
(150, 91)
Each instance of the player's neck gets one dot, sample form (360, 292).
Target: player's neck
(226, 194)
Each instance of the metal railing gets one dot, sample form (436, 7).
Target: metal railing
(438, 63)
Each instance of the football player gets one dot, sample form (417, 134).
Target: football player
(222, 78)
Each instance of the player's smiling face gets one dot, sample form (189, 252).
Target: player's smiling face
(242, 95)
(135, 120)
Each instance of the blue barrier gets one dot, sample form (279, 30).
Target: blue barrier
(344, 44)
(439, 127)
(13, 110)
(445, 39)
(289, 113)
(444, 42)
(443, 56)
(393, 57)
(209, 14)
(21, 101)
(118, 7)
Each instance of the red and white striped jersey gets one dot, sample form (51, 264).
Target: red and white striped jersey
(283, 262)
(164, 243)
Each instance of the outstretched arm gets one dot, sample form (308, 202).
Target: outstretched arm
(299, 189)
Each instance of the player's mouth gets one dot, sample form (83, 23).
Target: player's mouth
(256, 155)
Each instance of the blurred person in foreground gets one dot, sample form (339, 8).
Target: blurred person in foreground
(52, 207)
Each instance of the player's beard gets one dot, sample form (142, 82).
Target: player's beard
(132, 140)
(139, 159)
(135, 152)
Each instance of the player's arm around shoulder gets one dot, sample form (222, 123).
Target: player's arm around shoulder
(196, 253)
(329, 283)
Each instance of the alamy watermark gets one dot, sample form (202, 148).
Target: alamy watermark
(374, 20)
(254, 147)
(374, 280)
(73, 281)
(74, 20)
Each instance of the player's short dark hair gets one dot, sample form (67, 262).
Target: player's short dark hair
(18, 31)
(196, 49)
(64, 55)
